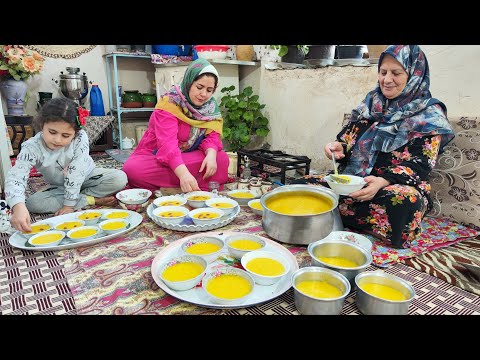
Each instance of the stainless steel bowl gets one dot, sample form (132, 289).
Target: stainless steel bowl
(300, 229)
(309, 305)
(344, 249)
(370, 304)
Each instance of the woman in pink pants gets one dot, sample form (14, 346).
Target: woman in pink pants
(182, 145)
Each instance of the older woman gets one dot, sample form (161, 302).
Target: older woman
(182, 145)
(393, 139)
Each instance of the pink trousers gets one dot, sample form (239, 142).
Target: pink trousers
(144, 171)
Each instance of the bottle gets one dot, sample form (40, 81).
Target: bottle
(247, 172)
(96, 101)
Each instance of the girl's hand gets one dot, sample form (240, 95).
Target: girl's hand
(64, 210)
(374, 185)
(20, 219)
(335, 148)
(209, 163)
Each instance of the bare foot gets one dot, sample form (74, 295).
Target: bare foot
(106, 201)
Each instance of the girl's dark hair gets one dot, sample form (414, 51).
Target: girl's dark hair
(57, 109)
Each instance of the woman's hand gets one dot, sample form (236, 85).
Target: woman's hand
(335, 148)
(64, 210)
(20, 219)
(187, 180)
(374, 185)
(209, 163)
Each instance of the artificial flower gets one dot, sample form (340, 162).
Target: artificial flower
(19, 62)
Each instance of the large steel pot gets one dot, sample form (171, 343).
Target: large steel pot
(301, 229)
(73, 85)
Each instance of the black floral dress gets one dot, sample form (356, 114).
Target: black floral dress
(396, 211)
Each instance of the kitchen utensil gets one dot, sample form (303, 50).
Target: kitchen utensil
(336, 177)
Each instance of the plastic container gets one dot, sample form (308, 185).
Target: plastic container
(96, 101)
(177, 50)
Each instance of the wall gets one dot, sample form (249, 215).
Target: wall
(306, 106)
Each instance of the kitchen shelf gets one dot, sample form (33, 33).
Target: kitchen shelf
(112, 58)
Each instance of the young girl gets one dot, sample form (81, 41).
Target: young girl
(60, 152)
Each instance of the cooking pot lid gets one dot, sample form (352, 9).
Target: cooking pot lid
(73, 76)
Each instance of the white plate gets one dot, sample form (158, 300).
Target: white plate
(19, 241)
(188, 225)
(197, 295)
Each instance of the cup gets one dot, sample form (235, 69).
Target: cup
(243, 184)
(266, 186)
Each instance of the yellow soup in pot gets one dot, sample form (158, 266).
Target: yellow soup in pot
(383, 291)
(182, 271)
(206, 215)
(46, 239)
(199, 198)
(171, 214)
(221, 205)
(89, 216)
(68, 225)
(266, 267)
(299, 203)
(256, 205)
(318, 289)
(80, 234)
(202, 248)
(38, 228)
(245, 244)
(114, 225)
(171, 203)
(228, 286)
(338, 261)
(117, 215)
(243, 195)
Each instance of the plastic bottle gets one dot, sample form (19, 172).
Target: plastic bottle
(96, 101)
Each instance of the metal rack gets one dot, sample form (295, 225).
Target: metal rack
(118, 109)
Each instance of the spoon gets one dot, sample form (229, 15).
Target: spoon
(336, 177)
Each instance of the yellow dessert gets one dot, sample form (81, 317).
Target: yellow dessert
(171, 214)
(338, 261)
(229, 286)
(114, 225)
(89, 215)
(221, 205)
(245, 244)
(205, 215)
(80, 234)
(266, 267)
(299, 203)
(202, 248)
(38, 228)
(117, 215)
(318, 289)
(68, 225)
(256, 205)
(243, 195)
(383, 291)
(46, 239)
(199, 198)
(171, 203)
(182, 271)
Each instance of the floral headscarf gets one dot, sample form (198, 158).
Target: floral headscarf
(412, 114)
(203, 119)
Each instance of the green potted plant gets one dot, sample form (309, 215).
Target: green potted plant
(242, 117)
(292, 53)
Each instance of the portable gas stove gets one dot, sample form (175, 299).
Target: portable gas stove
(272, 162)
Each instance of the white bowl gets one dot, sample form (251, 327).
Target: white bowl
(172, 200)
(198, 221)
(123, 224)
(187, 283)
(222, 200)
(256, 211)
(262, 279)
(209, 257)
(82, 228)
(242, 201)
(89, 217)
(135, 207)
(227, 270)
(356, 183)
(116, 214)
(133, 196)
(238, 253)
(352, 237)
(68, 225)
(34, 238)
(37, 228)
(198, 203)
(168, 219)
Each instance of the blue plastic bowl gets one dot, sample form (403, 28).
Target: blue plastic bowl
(177, 50)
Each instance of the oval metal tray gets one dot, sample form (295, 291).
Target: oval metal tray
(187, 224)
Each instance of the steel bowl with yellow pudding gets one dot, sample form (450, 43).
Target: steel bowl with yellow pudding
(69, 225)
(113, 226)
(222, 203)
(37, 228)
(47, 238)
(228, 285)
(83, 233)
(206, 216)
(170, 214)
